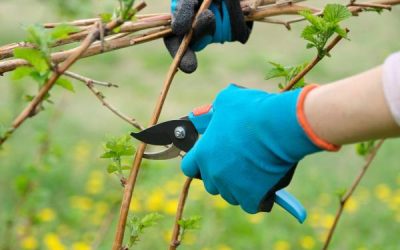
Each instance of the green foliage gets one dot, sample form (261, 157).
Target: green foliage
(39, 57)
(321, 29)
(125, 10)
(287, 73)
(190, 223)
(116, 149)
(136, 226)
(364, 148)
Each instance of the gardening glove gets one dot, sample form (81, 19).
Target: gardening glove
(222, 22)
(252, 145)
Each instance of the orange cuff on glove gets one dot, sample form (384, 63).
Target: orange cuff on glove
(323, 144)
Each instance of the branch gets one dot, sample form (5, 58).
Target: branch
(313, 63)
(255, 15)
(350, 192)
(90, 84)
(129, 187)
(31, 109)
(175, 242)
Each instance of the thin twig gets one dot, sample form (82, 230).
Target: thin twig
(129, 187)
(312, 64)
(89, 81)
(349, 193)
(175, 242)
(90, 84)
(31, 109)
(257, 15)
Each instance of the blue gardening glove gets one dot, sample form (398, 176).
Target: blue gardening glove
(222, 22)
(252, 145)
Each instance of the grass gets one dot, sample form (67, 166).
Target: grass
(56, 193)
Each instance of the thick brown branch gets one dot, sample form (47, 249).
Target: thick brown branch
(350, 192)
(129, 187)
(175, 242)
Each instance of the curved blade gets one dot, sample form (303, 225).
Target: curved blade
(157, 135)
(169, 153)
(163, 134)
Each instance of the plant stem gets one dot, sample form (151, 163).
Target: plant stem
(175, 242)
(89, 83)
(129, 187)
(349, 193)
(30, 110)
(313, 63)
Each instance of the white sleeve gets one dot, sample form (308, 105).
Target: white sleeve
(391, 84)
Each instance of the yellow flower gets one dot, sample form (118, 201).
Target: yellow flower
(156, 200)
(189, 238)
(256, 218)
(81, 153)
(46, 215)
(170, 207)
(327, 221)
(29, 243)
(383, 192)
(173, 187)
(223, 247)
(219, 202)
(351, 205)
(314, 219)
(281, 245)
(167, 235)
(100, 209)
(95, 182)
(81, 202)
(53, 242)
(81, 246)
(135, 206)
(307, 242)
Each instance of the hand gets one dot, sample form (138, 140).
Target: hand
(252, 145)
(223, 21)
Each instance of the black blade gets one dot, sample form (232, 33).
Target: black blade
(163, 134)
(156, 135)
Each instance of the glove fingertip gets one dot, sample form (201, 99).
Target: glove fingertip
(189, 166)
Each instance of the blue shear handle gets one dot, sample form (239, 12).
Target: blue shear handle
(291, 205)
(201, 117)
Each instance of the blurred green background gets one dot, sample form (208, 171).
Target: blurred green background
(55, 192)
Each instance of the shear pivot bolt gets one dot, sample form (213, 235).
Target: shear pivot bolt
(180, 132)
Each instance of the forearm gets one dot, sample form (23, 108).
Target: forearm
(351, 110)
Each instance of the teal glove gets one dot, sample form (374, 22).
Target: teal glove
(252, 145)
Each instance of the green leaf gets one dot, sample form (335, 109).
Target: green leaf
(150, 219)
(364, 148)
(109, 154)
(335, 13)
(35, 57)
(111, 168)
(341, 32)
(65, 83)
(314, 20)
(106, 17)
(62, 31)
(190, 223)
(22, 72)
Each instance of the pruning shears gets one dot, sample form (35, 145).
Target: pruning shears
(180, 136)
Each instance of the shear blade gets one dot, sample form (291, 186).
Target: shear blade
(169, 153)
